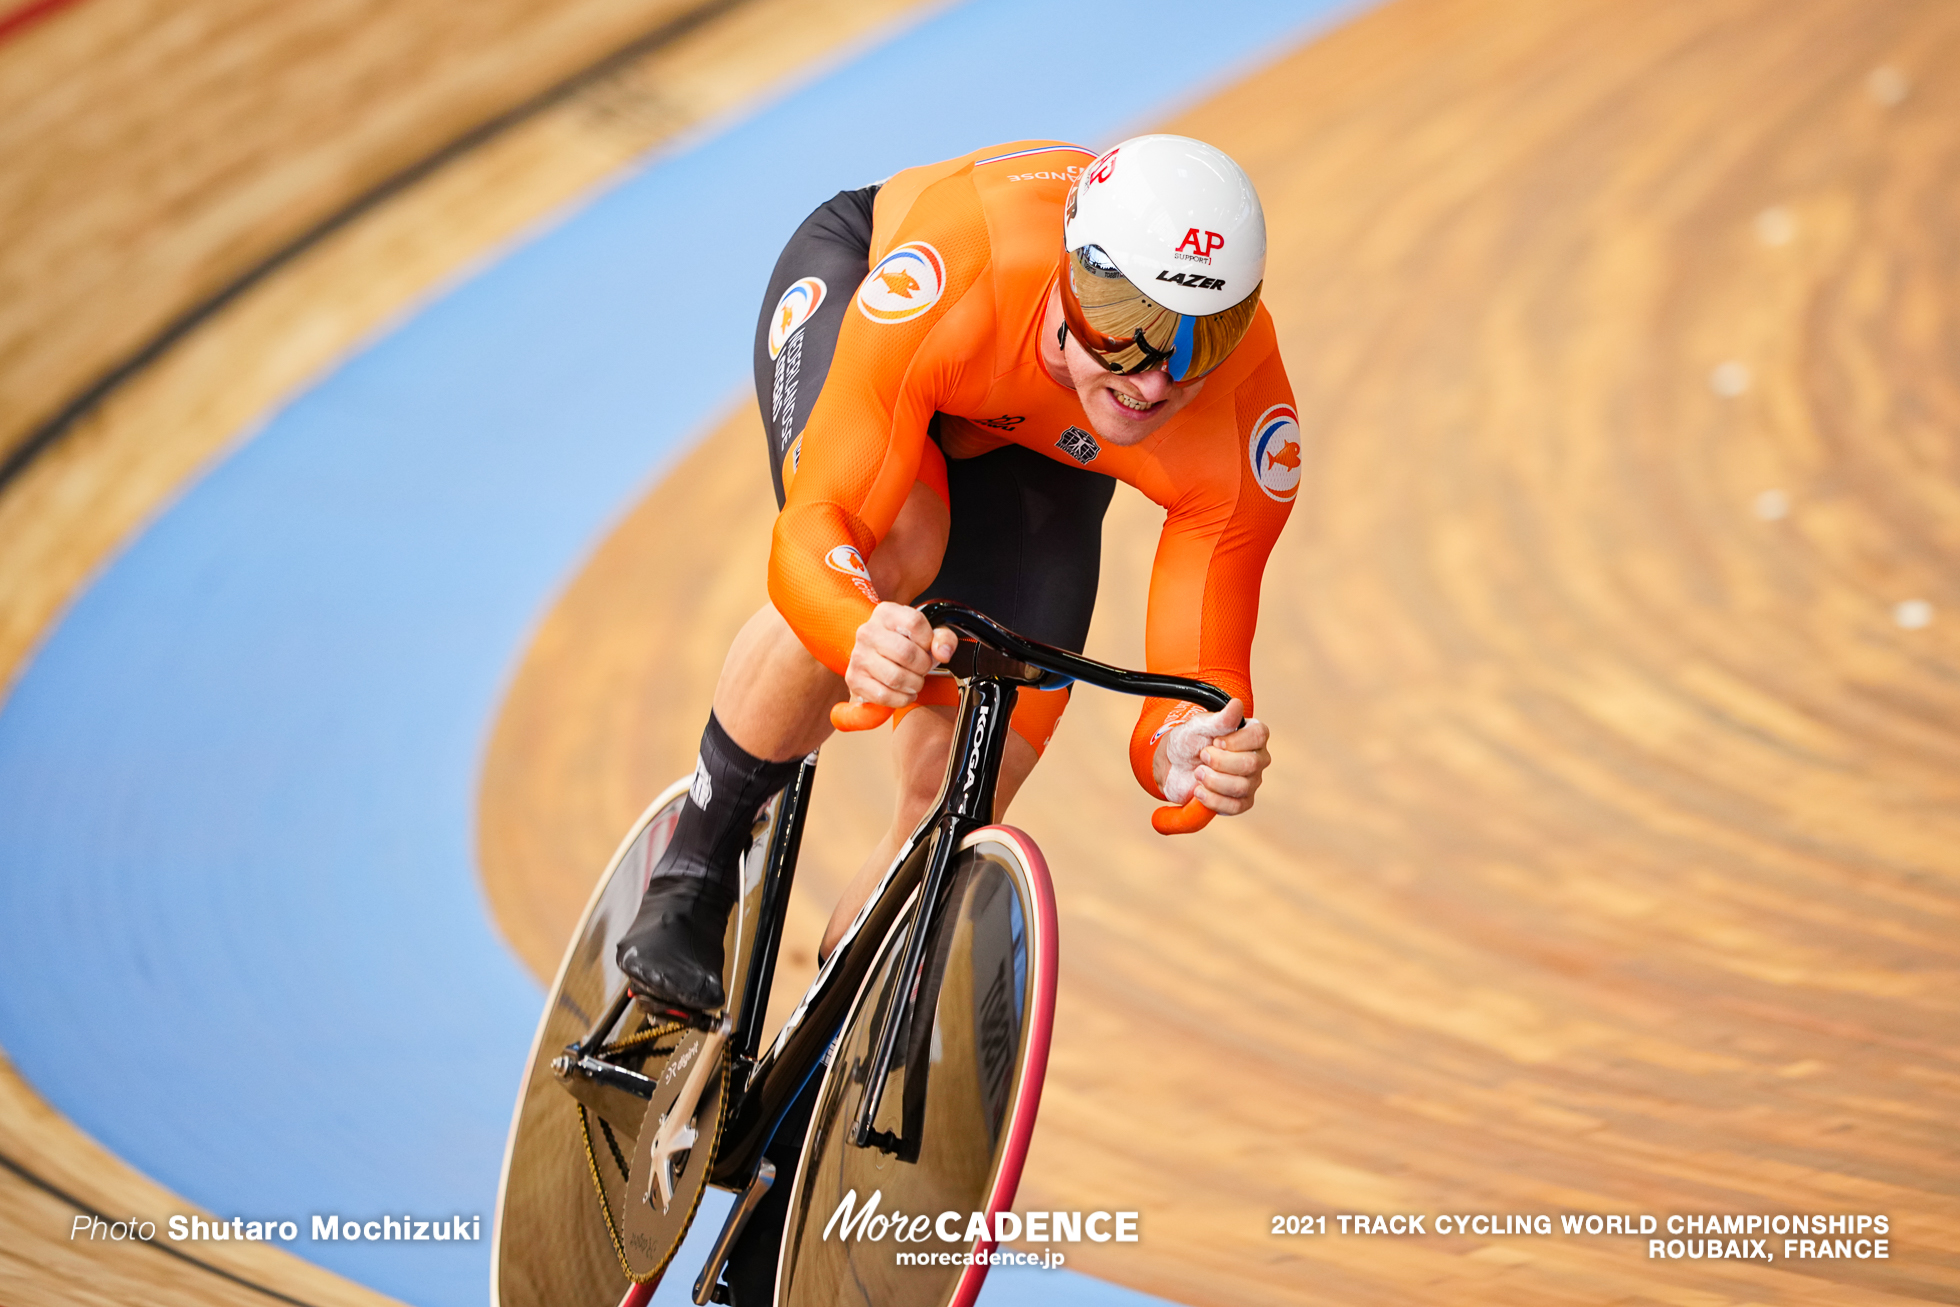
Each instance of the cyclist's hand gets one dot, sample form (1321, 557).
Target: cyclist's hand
(1214, 758)
(895, 648)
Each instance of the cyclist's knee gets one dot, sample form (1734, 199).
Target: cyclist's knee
(918, 786)
(920, 740)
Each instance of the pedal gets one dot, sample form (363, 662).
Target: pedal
(660, 1012)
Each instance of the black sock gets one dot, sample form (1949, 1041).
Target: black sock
(729, 787)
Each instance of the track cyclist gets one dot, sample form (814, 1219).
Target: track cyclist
(956, 365)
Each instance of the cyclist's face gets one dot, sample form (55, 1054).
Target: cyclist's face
(1124, 410)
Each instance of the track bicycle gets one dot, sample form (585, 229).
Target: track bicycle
(910, 1070)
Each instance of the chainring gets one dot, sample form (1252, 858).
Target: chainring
(648, 1235)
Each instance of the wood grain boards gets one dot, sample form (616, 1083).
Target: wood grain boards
(155, 151)
(73, 506)
(21, 17)
(41, 1264)
(1607, 863)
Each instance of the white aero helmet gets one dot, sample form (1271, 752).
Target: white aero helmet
(1164, 254)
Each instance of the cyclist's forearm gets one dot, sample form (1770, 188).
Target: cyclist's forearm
(819, 580)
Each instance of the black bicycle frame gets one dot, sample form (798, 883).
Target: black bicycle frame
(991, 664)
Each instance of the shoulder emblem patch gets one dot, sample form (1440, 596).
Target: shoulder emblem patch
(905, 284)
(793, 310)
(1275, 452)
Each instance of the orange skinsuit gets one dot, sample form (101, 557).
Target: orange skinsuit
(993, 223)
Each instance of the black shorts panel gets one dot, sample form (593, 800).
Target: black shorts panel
(1025, 545)
(1026, 542)
(834, 245)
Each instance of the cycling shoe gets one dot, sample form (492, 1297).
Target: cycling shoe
(672, 953)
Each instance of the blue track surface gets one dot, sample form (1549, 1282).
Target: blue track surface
(242, 941)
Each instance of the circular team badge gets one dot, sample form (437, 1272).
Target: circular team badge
(904, 285)
(793, 310)
(848, 561)
(1275, 452)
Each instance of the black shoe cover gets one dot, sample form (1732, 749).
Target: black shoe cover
(672, 953)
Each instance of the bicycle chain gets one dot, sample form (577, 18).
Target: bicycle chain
(605, 1205)
(625, 1171)
(646, 1036)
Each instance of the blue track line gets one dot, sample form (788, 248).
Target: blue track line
(242, 941)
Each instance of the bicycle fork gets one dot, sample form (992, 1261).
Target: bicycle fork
(967, 803)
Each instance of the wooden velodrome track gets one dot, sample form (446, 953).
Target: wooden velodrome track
(1607, 862)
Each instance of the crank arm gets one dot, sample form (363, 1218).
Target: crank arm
(677, 1134)
(731, 1230)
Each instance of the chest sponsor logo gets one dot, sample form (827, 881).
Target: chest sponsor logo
(905, 284)
(1275, 452)
(847, 560)
(1079, 445)
(793, 310)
